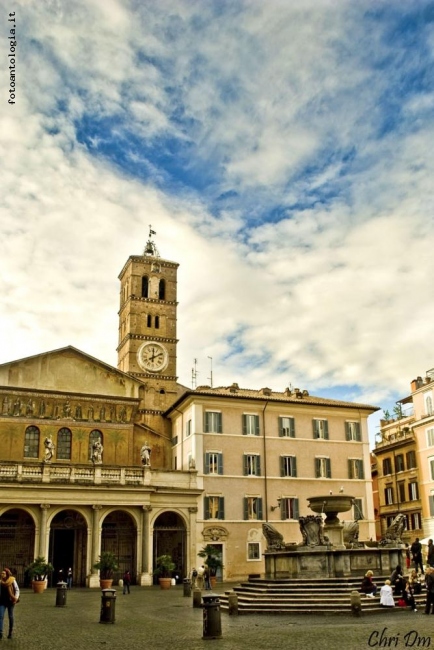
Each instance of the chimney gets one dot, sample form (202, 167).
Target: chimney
(413, 385)
(287, 392)
(265, 391)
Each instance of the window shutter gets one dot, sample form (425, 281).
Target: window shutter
(221, 507)
(246, 510)
(292, 427)
(206, 507)
(350, 468)
(256, 425)
(358, 433)
(315, 429)
(347, 432)
(326, 430)
(317, 467)
(293, 466)
(206, 462)
(284, 509)
(219, 423)
(246, 465)
(361, 469)
(244, 425)
(259, 507)
(431, 505)
(220, 463)
(296, 509)
(329, 468)
(258, 466)
(281, 428)
(282, 466)
(205, 422)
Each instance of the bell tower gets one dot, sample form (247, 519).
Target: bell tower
(147, 325)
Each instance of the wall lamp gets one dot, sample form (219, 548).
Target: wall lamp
(279, 499)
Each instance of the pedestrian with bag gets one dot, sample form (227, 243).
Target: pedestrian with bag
(127, 582)
(9, 596)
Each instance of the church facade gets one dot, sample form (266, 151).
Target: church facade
(96, 458)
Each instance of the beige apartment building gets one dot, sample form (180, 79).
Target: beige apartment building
(260, 455)
(75, 479)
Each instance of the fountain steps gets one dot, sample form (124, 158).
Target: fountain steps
(292, 596)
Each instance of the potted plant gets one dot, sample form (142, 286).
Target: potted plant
(164, 568)
(38, 571)
(106, 566)
(212, 560)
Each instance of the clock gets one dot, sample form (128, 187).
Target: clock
(152, 357)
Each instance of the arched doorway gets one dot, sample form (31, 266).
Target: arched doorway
(68, 543)
(17, 541)
(119, 535)
(170, 538)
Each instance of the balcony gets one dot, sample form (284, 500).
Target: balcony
(405, 435)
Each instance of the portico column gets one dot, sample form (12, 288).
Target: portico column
(43, 537)
(93, 577)
(146, 576)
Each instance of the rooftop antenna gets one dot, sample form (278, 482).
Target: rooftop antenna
(194, 374)
(210, 378)
(151, 249)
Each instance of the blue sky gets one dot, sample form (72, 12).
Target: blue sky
(281, 150)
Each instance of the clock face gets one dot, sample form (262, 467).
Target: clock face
(152, 357)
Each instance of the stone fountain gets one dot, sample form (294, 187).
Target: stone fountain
(330, 548)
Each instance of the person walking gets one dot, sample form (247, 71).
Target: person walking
(69, 578)
(127, 582)
(430, 553)
(200, 576)
(207, 578)
(416, 553)
(193, 578)
(9, 595)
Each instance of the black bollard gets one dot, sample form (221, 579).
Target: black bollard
(212, 626)
(108, 603)
(187, 587)
(61, 594)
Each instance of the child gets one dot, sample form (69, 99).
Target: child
(386, 595)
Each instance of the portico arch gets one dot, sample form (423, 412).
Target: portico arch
(68, 546)
(17, 541)
(119, 535)
(170, 537)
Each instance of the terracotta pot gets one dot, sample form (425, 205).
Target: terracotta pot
(165, 583)
(39, 586)
(105, 583)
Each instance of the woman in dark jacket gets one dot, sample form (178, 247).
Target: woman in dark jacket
(368, 587)
(397, 581)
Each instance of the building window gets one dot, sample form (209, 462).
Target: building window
(213, 462)
(428, 404)
(149, 320)
(430, 437)
(323, 468)
(188, 428)
(64, 444)
(214, 507)
(145, 287)
(321, 429)
(415, 521)
(289, 508)
(250, 425)
(387, 466)
(253, 551)
(213, 422)
(31, 442)
(431, 505)
(252, 465)
(401, 492)
(388, 496)
(93, 437)
(286, 427)
(352, 431)
(358, 509)
(288, 466)
(431, 466)
(411, 459)
(413, 491)
(157, 322)
(399, 463)
(162, 290)
(252, 508)
(355, 468)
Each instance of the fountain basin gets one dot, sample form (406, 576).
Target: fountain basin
(331, 505)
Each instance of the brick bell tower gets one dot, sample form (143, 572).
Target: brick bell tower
(147, 327)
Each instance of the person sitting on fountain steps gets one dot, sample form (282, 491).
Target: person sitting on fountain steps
(368, 587)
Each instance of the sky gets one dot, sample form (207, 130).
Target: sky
(282, 152)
